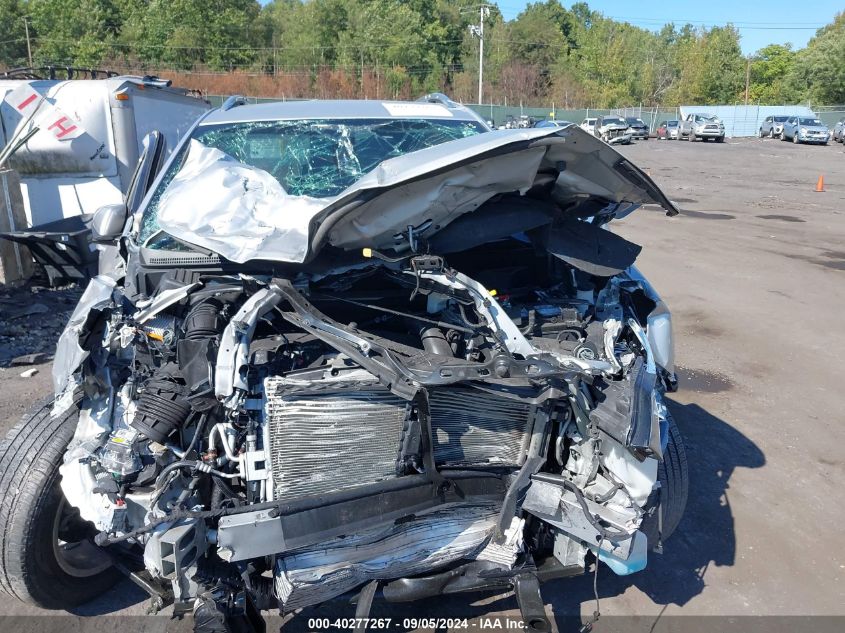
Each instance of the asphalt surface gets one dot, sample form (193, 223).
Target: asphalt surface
(754, 271)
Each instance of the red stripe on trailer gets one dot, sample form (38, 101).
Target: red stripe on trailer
(27, 101)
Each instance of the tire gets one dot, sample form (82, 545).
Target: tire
(691, 137)
(673, 475)
(34, 567)
(795, 139)
(720, 139)
(762, 133)
(772, 133)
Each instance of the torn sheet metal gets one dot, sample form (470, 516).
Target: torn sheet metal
(560, 508)
(512, 545)
(78, 482)
(69, 354)
(237, 211)
(433, 202)
(638, 477)
(426, 541)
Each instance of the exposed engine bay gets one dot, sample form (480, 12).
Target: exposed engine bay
(433, 423)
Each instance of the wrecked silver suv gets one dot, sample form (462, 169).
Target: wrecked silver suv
(363, 348)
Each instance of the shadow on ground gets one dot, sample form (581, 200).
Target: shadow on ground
(705, 537)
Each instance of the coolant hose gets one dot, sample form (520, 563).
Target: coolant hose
(195, 465)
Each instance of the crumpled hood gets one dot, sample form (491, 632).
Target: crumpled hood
(419, 193)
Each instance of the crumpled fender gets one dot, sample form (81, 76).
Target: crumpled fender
(69, 354)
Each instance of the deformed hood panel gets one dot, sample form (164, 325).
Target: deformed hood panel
(418, 193)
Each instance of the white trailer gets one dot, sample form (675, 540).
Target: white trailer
(66, 177)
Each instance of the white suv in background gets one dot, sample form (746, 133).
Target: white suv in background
(589, 125)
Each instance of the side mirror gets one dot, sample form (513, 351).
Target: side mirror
(108, 222)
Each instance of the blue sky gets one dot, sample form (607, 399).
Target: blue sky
(759, 23)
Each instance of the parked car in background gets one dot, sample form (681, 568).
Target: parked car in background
(637, 128)
(612, 129)
(838, 134)
(772, 126)
(702, 126)
(589, 125)
(668, 130)
(509, 124)
(553, 123)
(803, 129)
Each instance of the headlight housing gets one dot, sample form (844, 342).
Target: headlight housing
(803, 130)
(660, 339)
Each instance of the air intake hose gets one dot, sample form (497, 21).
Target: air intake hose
(162, 407)
(196, 352)
(434, 342)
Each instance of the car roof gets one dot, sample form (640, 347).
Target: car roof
(340, 109)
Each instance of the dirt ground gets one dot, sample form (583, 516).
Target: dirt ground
(754, 271)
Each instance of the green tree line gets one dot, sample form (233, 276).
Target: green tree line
(575, 57)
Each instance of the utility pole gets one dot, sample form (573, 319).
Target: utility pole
(747, 77)
(478, 31)
(28, 47)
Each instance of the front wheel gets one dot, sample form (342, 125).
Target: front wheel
(691, 137)
(673, 475)
(795, 139)
(47, 555)
(720, 139)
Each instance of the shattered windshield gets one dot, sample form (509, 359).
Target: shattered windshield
(316, 158)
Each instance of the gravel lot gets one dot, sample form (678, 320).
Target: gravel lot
(754, 271)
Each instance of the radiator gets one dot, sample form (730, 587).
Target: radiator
(337, 438)
(343, 433)
(470, 426)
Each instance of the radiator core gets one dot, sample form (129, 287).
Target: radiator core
(471, 426)
(332, 439)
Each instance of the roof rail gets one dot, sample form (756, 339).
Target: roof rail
(233, 102)
(439, 97)
(49, 72)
